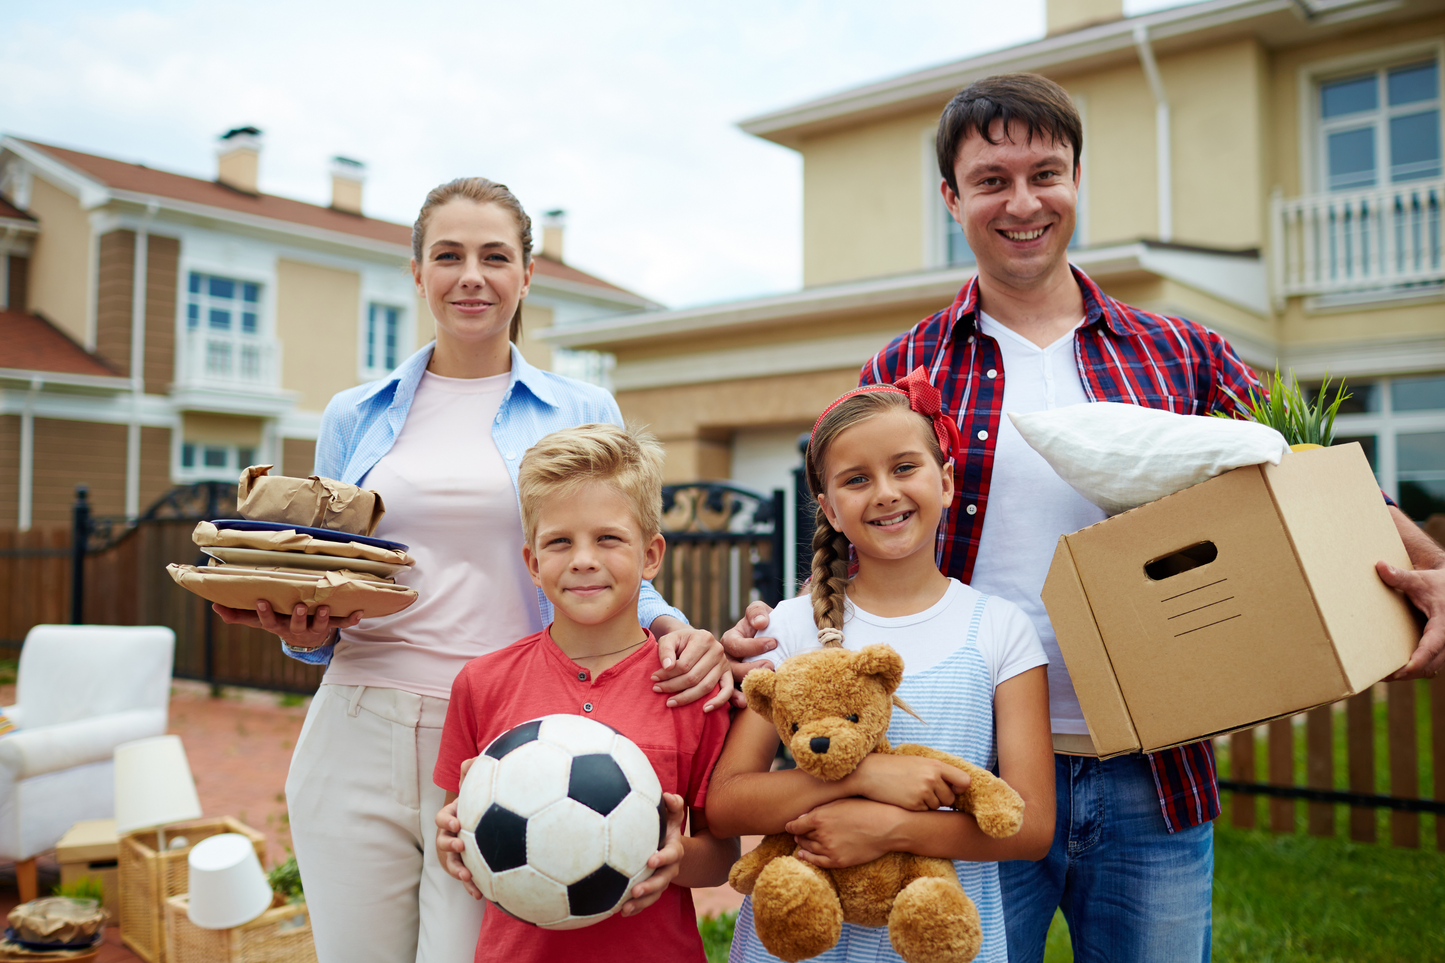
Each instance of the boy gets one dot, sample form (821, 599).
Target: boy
(591, 505)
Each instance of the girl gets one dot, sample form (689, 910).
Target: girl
(879, 464)
(442, 439)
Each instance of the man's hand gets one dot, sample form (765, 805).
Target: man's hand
(299, 631)
(666, 863)
(742, 642)
(915, 783)
(692, 664)
(449, 843)
(845, 832)
(1425, 588)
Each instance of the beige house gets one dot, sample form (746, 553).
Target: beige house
(1270, 168)
(158, 329)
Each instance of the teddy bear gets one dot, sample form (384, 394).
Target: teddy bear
(832, 707)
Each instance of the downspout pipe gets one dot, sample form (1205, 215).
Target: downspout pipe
(1162, 136)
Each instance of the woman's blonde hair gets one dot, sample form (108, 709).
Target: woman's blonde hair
(628, 459)
(482, 191)
(830, 546)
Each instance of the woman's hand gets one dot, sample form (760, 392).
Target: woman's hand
(845, 832)
(916, 783)
(666, 862)
(449, 843)
(742, 642)
(299, 631)
(692, 664)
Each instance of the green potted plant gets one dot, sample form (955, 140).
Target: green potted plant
(1284, 406)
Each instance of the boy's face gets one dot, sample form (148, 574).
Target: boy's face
(589, 555)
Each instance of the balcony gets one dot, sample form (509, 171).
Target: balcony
(1381, 243)
(227, 371)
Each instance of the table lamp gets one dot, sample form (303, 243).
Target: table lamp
(153, 786)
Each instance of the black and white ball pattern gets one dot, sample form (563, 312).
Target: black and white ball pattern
(559, 816)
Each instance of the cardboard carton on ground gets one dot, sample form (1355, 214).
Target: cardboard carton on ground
(1242, 599)
(91, 848)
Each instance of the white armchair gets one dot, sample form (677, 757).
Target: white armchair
(81, 691)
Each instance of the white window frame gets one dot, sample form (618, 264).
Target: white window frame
(1311, 76)
(378, 368)
(181, 474)
(1386, 424)
(393, 290)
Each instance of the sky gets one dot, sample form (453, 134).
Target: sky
(623, 113)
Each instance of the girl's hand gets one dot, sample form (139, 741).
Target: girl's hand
(845, 832)
(693, 663)
(299, 631)
(914, 783)
(666, 862)
(449, 843)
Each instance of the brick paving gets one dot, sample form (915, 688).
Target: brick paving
(239, 747)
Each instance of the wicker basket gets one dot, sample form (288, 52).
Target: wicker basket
(148, 878)
(281, 935)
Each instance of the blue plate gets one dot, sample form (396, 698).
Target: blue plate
(325, 534)
(43, 947)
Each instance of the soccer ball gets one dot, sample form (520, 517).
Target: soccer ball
(559, 816)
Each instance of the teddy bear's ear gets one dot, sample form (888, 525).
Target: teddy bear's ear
(758, 686)
(882, 662)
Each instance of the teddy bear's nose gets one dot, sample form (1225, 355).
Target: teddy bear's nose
(819, 744)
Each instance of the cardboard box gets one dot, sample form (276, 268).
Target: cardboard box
(91, 848)
(1242, 599)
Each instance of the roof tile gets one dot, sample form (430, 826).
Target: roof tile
(34, 344)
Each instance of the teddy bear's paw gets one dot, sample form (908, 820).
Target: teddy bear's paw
(1000, 821)
(796, 910)
(934, 921)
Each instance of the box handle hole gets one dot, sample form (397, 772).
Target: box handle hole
(1176, 563)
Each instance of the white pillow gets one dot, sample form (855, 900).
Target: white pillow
(1122, 456)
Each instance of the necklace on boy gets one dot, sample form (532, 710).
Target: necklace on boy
(599, 655)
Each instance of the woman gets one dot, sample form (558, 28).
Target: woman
(441, 439)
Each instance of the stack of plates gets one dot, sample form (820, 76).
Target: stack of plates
(287, 564)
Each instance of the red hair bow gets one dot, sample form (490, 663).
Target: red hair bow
(923, 398)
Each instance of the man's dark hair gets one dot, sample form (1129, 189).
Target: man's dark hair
(1040, 105)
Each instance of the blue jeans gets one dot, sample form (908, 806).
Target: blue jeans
(1131, 891)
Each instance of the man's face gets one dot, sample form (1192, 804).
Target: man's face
(1016, 201)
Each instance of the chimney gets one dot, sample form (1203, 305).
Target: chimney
(553, 224)
(1063, 16)
(347, 177)
(238, 159)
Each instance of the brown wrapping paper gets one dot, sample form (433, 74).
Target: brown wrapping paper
(57, 919)
(240, 587)
(207, 535)
(315, 502)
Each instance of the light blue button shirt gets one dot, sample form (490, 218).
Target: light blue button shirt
(361, 424)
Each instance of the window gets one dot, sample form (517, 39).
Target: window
(381, 339)
(223, 315)
(1381, 127)
(1400, 423)
(201, 461)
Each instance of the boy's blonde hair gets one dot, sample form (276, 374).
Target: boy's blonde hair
(628, 459)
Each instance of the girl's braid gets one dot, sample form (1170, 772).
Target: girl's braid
(830, 579)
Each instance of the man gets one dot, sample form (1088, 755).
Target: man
(1132, 860)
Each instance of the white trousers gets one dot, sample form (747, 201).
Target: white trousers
(362, 807)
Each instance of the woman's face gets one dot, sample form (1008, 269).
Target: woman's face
(471, 272)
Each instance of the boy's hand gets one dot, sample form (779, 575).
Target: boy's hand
(692, 664)
(915, 783)
(844, 832)
(450, 845)
(666, 862)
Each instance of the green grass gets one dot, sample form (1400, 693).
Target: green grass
(717, 935)
(8, 668)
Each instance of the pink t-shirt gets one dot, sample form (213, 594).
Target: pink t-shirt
(448, 496)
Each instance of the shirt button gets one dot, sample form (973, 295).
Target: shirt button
(983, 436)
(582, 676)
(970, 339)
(511, 455)
(972, 509)
(586, 707)
(992, 372)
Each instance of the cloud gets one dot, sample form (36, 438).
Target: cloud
(624, 114)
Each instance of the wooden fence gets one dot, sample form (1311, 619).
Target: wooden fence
(34, 581)
(1342, 755)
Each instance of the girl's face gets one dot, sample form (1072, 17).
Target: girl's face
(471, 274)
(883, 488)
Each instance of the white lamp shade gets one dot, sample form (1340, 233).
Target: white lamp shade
(153, 784)
(227, 885)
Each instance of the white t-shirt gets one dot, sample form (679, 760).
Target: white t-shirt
(448, 496)
(1006, 637)
(1029, 505)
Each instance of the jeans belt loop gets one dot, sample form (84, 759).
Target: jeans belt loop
(354, 708)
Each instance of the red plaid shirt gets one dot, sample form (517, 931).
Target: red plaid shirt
(1125, 355)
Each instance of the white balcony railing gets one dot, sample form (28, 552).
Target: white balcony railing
(1385, 239)
(228, 361)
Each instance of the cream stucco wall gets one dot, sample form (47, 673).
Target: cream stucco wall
(62, 277)
(316, 320)
(538, 353)
(221, 429)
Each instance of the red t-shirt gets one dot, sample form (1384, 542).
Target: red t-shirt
(532, 678)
